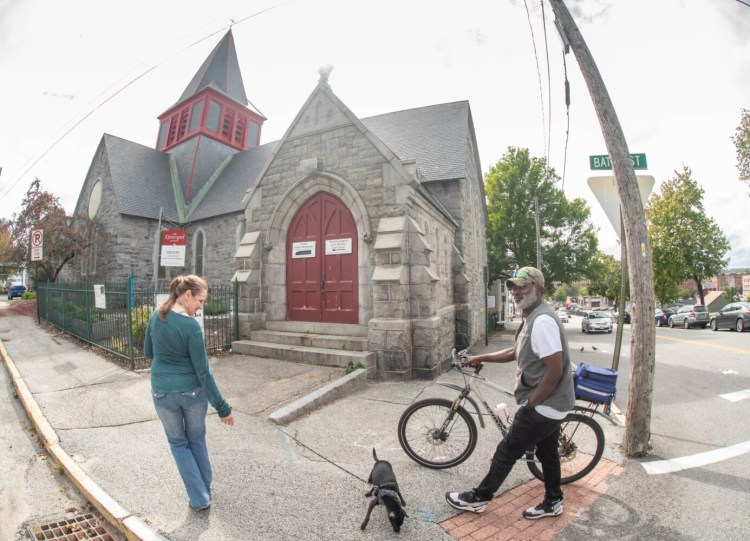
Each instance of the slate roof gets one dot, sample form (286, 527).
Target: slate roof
(436, 136)
(220, 71)
(140, 178)
(240, 175)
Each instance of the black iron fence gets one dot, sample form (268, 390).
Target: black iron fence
(114, 316)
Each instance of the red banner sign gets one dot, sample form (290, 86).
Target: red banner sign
(173, 244)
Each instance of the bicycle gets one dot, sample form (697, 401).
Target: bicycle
(439, 433)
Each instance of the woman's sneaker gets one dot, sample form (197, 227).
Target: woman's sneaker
(547, 508)
(466, 501)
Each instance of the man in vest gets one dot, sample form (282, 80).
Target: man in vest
(544, 393)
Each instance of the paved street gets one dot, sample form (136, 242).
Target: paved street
(270, 486)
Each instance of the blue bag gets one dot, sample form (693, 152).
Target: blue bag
(595, 384)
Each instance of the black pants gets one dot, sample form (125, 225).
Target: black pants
(529, 428)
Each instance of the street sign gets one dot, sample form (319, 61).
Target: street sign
(37, 244)
(603, 161)
(605, 190)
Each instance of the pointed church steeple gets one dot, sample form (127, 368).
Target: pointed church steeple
(214, 104)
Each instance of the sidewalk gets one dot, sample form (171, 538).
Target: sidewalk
(97, 419)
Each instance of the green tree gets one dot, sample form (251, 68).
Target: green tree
(685, 243)
(606, 277)
(567, 236)
(741, 141)
(42, 210)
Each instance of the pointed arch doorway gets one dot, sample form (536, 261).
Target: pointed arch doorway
(321, 265)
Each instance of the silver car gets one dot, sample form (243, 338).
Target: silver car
(689, 316)
(596, 322)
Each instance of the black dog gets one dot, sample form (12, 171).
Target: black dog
(386, 491)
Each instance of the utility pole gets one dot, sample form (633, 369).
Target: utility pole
(635, 236)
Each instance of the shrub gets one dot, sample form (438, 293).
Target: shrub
(139, 319)
(214, 308)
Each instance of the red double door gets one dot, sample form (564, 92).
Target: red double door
(322, 263)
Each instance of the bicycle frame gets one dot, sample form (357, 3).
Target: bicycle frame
(466, 391)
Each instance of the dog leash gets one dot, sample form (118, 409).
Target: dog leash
(426, 517)
(318, 454)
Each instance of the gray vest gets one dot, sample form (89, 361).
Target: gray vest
(531, 368)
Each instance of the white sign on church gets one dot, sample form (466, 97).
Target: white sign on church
(338, 246)
(303, 249)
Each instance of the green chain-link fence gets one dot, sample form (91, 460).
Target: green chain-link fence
(120, 326)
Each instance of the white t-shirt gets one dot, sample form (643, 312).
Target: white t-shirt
(545, 340)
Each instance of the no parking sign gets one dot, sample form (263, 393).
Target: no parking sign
(37, 243)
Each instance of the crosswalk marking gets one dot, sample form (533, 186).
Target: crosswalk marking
(736, 397)
(658, 467)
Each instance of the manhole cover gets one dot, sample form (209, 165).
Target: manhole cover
(87, 526)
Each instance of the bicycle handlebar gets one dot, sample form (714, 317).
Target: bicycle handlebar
(459, 360)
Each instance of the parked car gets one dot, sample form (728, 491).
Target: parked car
(662, 317)
(734, 316)
(16, 289)
(562, 315)
(689, 316)
(596, 322)
(625, 316)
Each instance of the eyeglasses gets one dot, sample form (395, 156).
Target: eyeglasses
(520, 274)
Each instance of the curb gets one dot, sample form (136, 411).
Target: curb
(131, 526)
(324, 395)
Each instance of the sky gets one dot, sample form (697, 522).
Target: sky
(677, 72)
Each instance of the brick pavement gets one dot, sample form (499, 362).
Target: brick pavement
(502, 519)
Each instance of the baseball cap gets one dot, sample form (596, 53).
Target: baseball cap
(525, 276)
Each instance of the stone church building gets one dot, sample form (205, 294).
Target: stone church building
(352, 239)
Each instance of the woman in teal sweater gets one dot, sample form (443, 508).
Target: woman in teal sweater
(182, 384)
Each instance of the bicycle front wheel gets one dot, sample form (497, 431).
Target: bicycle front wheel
(434, 435)
(581, 446)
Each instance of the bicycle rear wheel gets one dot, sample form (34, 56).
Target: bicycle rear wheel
(581, 447)
(434, 435)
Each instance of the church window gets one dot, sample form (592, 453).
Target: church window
(199, 244)
(173, 121)
(195, 116)
(212, 119)
(227, 123)
(239, 131)
(183, 123)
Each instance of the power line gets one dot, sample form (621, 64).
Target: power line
(567, 114)
(538, 73)
(549, 87)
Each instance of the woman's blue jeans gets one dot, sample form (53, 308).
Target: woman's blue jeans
(184, 418)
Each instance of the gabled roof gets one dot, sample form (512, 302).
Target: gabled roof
(710, 297)
(436, 136)
(140, 178)
(220, 71)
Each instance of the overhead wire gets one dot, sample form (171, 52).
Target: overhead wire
(549, 87)
(539, 75)
(125, 86)
(567, 115)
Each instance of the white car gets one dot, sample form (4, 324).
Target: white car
(562, 315)
(596, 322)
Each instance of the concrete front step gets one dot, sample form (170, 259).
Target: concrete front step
(302, 354)
(328, 341)
(310, 327)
